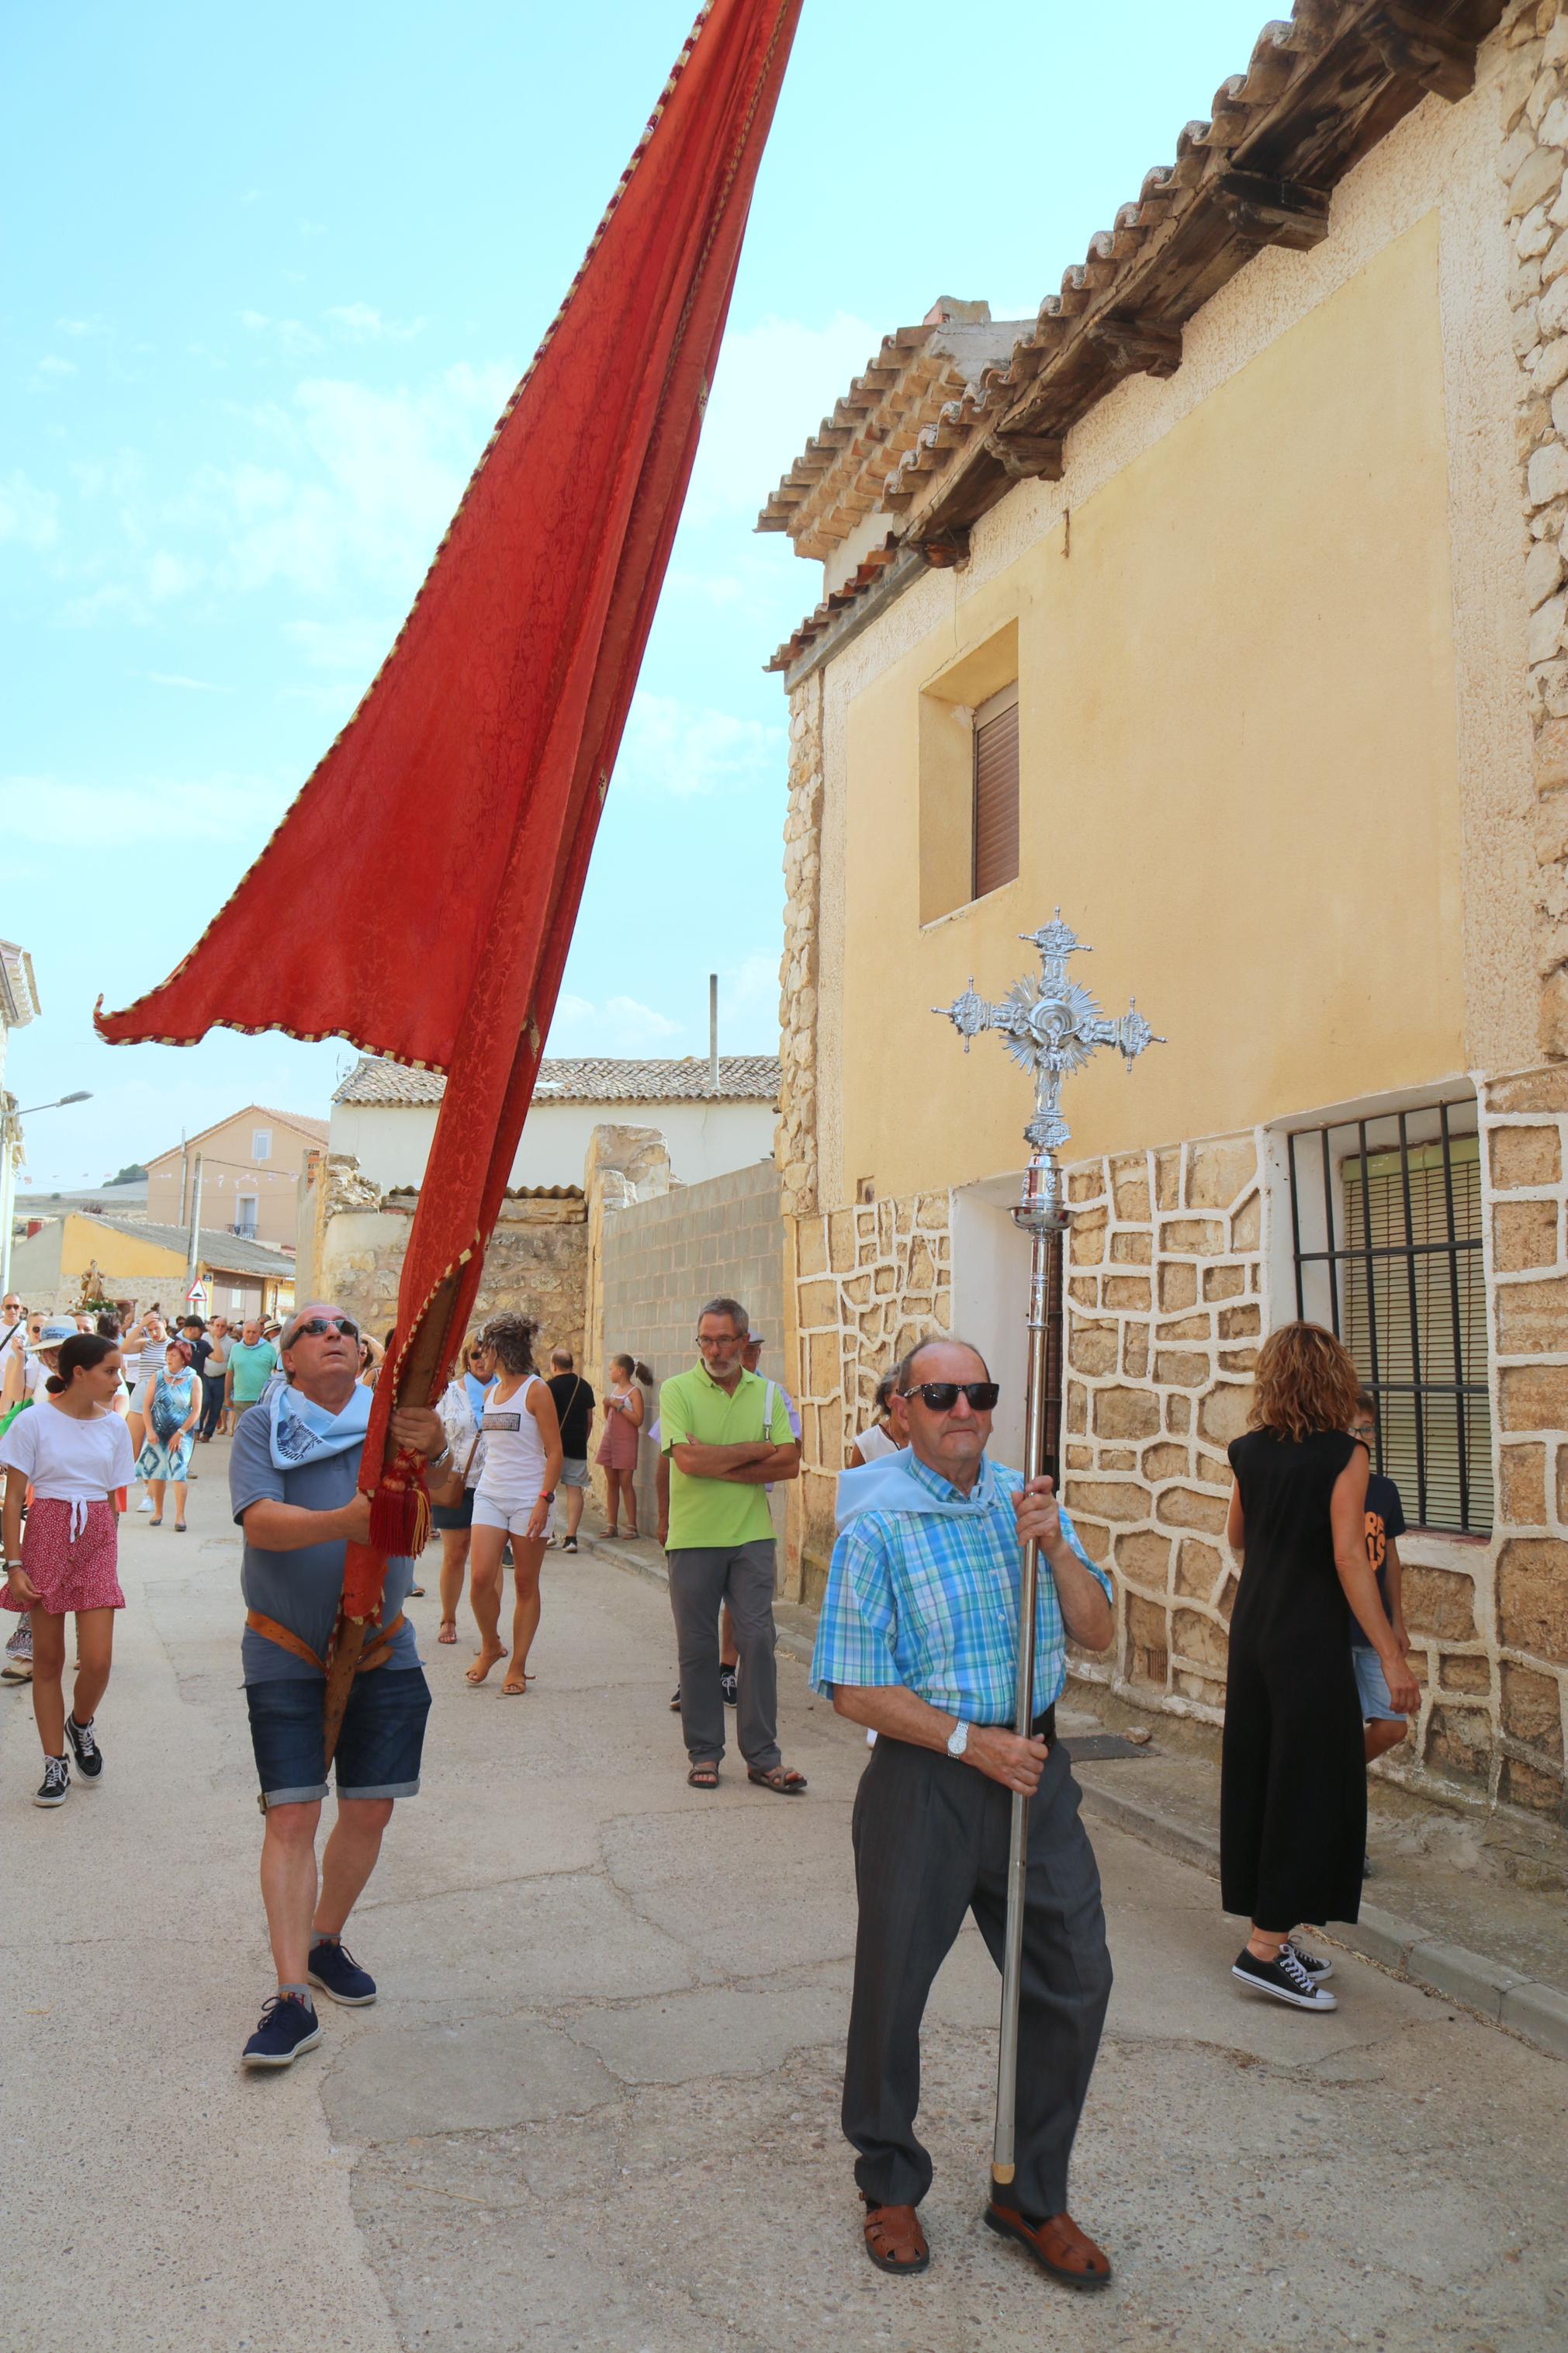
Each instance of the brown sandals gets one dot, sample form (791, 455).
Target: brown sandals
(1057, 2245)
(894, 2240)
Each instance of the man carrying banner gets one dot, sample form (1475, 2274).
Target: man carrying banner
(293, 1484)
(918, 1640)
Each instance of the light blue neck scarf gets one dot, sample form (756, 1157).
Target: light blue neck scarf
(890, 1485)
(302, 1432)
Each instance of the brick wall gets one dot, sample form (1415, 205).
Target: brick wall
(661, 1259)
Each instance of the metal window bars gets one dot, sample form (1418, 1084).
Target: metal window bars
(1385, 1222)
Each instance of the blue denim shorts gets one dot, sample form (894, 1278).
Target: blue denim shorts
(379, 1747)
(1372, 1684)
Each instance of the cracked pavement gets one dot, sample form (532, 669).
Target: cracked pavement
(596, 2103)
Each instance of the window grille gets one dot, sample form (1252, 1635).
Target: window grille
(996, 792)
(1385, 1217)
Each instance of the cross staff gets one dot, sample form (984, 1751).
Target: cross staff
(1051, 1027)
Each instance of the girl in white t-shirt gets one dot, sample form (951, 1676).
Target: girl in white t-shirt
(522, 1460)
(73, 1450)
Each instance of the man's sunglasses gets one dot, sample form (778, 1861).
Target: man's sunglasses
(943, 1396)
(318, 1326)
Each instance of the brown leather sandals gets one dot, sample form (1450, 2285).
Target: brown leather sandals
(1057, 2245)
(894, 2240)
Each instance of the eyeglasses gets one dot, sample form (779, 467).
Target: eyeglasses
(319, 1325)
(721, 1339)
(943, 1396)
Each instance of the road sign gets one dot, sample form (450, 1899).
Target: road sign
(196, 1298)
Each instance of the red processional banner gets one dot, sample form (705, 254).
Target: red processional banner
(419, 896)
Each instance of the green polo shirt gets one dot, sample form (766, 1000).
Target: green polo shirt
(717, 1513)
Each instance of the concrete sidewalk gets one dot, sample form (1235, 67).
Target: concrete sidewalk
(596, 2106)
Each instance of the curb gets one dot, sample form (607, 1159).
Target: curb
(1537, 2013)
(1502, 1996)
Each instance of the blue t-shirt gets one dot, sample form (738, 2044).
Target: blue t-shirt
(1385, 1519)
(301, 1589)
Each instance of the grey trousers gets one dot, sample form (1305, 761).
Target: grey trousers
(931, 1843)
(699, 1579)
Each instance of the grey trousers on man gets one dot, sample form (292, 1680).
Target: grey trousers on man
(931, 1843)
(700, 1578)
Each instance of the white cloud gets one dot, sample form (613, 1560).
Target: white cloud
(172, 575)
(772, 385)
(685, 749)
(361, 324)
(292, 337)
(52, 365)
(620, 1024)
(190, 685)
(27, 514)
(52, 812)
(354, 647)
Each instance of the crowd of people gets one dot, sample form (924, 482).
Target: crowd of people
(916, 1642)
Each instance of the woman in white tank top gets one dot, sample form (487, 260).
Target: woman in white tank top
(514, 1496)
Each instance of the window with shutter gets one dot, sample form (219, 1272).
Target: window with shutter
(996, 792)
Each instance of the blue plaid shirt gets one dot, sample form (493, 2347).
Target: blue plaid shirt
(930, 1602)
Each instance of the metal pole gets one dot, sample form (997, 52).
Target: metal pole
(1051, 1027)
(712, 1033)
(8, 1187)
(1041, 1216)
(193, 1258)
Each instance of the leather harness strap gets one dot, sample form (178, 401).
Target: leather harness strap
(376, 1651)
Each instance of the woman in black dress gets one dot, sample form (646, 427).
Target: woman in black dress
(1293, 1772)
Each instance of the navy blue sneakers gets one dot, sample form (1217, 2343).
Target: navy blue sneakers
(85, 1748)
(286, 2027)
(339, 1974)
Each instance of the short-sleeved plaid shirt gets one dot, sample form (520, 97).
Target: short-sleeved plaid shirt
(930, 1602)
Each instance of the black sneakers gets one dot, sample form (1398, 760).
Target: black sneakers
(84, 1747)
(54, 1787)
(334, 1968)
(1285, 1979)
(288, 2026)
(1315, 1968)
(728, 1685)
(675, 1701)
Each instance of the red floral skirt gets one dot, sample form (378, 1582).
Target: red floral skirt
(70, 1572)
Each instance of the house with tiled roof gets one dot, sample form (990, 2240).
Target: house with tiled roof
(251, 1166)
(713, 1117)
(1222, 604)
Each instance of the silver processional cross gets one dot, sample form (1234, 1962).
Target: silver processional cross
(1051, 1027)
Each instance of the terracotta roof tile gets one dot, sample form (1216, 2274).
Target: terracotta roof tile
(742, 1078)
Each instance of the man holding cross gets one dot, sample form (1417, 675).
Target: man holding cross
(918, 1640)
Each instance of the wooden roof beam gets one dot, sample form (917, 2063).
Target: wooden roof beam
(1409, 43)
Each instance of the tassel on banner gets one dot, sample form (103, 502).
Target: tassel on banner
(400, 1509)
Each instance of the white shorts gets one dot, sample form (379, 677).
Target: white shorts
(514, 1517)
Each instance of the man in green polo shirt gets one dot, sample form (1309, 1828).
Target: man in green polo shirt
(721, 1548)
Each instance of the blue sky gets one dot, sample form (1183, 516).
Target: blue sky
(270, 279)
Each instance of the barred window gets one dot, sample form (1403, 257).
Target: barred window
(1385, 1217)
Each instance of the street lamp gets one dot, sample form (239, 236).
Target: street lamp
(7, 1173)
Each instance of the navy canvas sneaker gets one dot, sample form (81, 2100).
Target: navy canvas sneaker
(288, 2025)
(84, 1747)
(334, 1970)
(54, 1787)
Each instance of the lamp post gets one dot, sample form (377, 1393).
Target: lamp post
(10, 1121)
(1051, 1027)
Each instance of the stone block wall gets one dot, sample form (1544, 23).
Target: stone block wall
(867, 1282)
(660, 1259)
(536, 1261)
(1164, 1312)
(795, 1147)
(1532, 163)
(1503, 1701)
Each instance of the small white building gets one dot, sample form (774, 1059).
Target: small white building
(384, 1115)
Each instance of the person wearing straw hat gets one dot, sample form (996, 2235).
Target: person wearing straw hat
(918, 1640)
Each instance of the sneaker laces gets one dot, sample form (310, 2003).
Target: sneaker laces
(86, 1745)
(1289, 1966)
(56, 1773)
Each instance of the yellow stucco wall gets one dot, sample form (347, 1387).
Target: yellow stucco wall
(119, 1255)
(1237, 746)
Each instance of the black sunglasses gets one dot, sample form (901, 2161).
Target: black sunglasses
(319, 1325)
(943, 1396)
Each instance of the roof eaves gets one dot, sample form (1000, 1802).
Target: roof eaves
(1321, 91)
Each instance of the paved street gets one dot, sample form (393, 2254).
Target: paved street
(596, 2103)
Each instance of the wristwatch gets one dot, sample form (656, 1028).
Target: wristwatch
(958, 1738)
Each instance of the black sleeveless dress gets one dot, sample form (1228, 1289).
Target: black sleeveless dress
(1292, 1812)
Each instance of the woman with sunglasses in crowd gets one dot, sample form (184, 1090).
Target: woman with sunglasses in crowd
(73, 1451)
(461, 1405)
(172, 1408)
(515, 1494)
